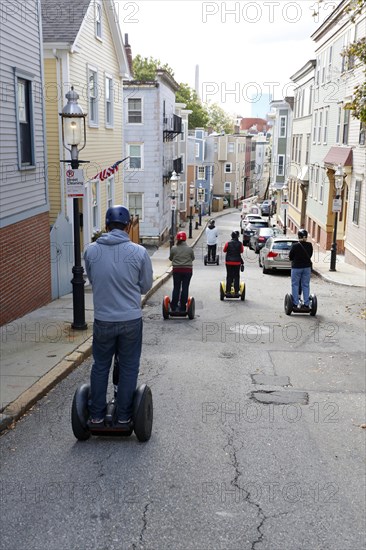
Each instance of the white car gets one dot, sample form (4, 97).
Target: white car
(249, 218)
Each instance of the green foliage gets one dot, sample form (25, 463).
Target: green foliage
(199, 116)
(219, 120)
(144, 68)
(357, 51)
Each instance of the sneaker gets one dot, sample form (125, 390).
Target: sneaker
(124, 422)
(96, 421)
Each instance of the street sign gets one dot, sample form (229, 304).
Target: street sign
(74, 183)
(284, 205)
(337, 205)
(201, 195)
(173, 204)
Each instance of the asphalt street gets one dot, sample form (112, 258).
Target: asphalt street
(257, 439)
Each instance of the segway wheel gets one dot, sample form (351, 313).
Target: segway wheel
(205, 259)
(242, 295)
(217, 260)
(314, 305)
(191, 308)
(166, 303)
(80, 413)
(288, 304)
(143, 413)
(222, 293)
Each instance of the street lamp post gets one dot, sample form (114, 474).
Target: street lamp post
(191, 203)
(173, 204)
(284, 200)
(201, 195)
(73, 134)
(338, 183)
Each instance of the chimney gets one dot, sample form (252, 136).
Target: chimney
(129, 54)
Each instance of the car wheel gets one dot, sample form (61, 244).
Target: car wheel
(265, 271)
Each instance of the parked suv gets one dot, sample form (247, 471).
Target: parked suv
(266, 208)
(251, 228)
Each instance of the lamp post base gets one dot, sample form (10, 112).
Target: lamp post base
(78, 299)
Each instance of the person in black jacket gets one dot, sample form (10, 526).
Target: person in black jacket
(233, 261)
(300, 256)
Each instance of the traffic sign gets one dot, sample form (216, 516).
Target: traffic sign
(173, 204)
(284, 205)
(75, 183)
(337, 205)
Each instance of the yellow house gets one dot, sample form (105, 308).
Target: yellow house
(83, 48)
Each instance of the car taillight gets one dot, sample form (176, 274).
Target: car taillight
(261, 239)
(272, 254)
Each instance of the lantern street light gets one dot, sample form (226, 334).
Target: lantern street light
(191, 204)
(339, 176)
(285, 206)
(173, 205)
(201, 198)
(74, 134)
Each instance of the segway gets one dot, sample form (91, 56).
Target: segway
(189, 311)
(232, 294)
(301, 308)
(142, 414)
(207, 261)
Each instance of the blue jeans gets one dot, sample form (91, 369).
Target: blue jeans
(126, 336)
(180, 290)
(300, 275)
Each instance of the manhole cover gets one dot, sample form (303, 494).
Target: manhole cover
(264, 380)
(281, 397)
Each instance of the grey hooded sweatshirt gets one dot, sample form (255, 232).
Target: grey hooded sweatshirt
(119, 271)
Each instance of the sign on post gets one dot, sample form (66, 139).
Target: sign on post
(173, 204)
(284, 205)
(74, 183)
(337, 205)
(201, 195)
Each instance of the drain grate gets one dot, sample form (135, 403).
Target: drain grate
(281, 397)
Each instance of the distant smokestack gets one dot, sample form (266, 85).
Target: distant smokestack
(197, 81)
(129, 54)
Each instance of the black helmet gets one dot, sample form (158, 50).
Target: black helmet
(235, 235)
(117, 213)
(302, 234)
(212, 222)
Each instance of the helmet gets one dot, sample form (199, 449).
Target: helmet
(235, 235)
(117, 213)
(302, 234)
(212, 222)
(181, 236)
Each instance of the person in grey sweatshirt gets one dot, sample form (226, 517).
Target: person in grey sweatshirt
(119, 272)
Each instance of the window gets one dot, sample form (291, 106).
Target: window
(98, 20)
(307, 149)
(227, 187)
(93, 97)
(135, 204)
(228, 168)
(108, 101)
(323, 67)
(361, 137)
(282, 126)
(24, 118)
(325, 133)
(110, 191)
(95, 205)
(316, 179)
(345, 126)
(134, 108)
(330, 55)
(231, 147)
(196, 150)
(356, 202)
(281, 165)
(135, 154)
(317, 75)
(338, 130)
(201, 173)
(320, 125)
(321, 187)
(315, 125)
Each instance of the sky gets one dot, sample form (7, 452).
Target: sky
(243, 48)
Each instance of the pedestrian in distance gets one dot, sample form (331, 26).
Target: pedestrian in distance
(300, 257)
(212, 235)
(182, 257)
(233, 261)
(119, 272)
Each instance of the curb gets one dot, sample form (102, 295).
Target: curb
(17, 408)
(330, 280)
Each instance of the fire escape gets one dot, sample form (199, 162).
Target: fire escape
(172, 127)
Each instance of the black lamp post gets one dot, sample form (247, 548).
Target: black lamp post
(201, 194)
(73, 134)
(173, 205)
(338, 183)
(191, 203)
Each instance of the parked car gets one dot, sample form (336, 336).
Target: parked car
(274, 254)
(266, 208)
(251, 227)
(249, 218)
(259, 238)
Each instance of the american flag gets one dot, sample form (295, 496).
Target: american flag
(107, 172)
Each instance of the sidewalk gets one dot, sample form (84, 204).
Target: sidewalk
(40, 349)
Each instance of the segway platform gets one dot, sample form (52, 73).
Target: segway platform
(211, 262)
(232, 294)
(290, 308)
(141, 422)
(190, 309)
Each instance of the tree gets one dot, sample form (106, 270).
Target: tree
(219, 120)
(144, 68)
(199, 116)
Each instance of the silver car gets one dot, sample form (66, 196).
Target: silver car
(274, 254)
